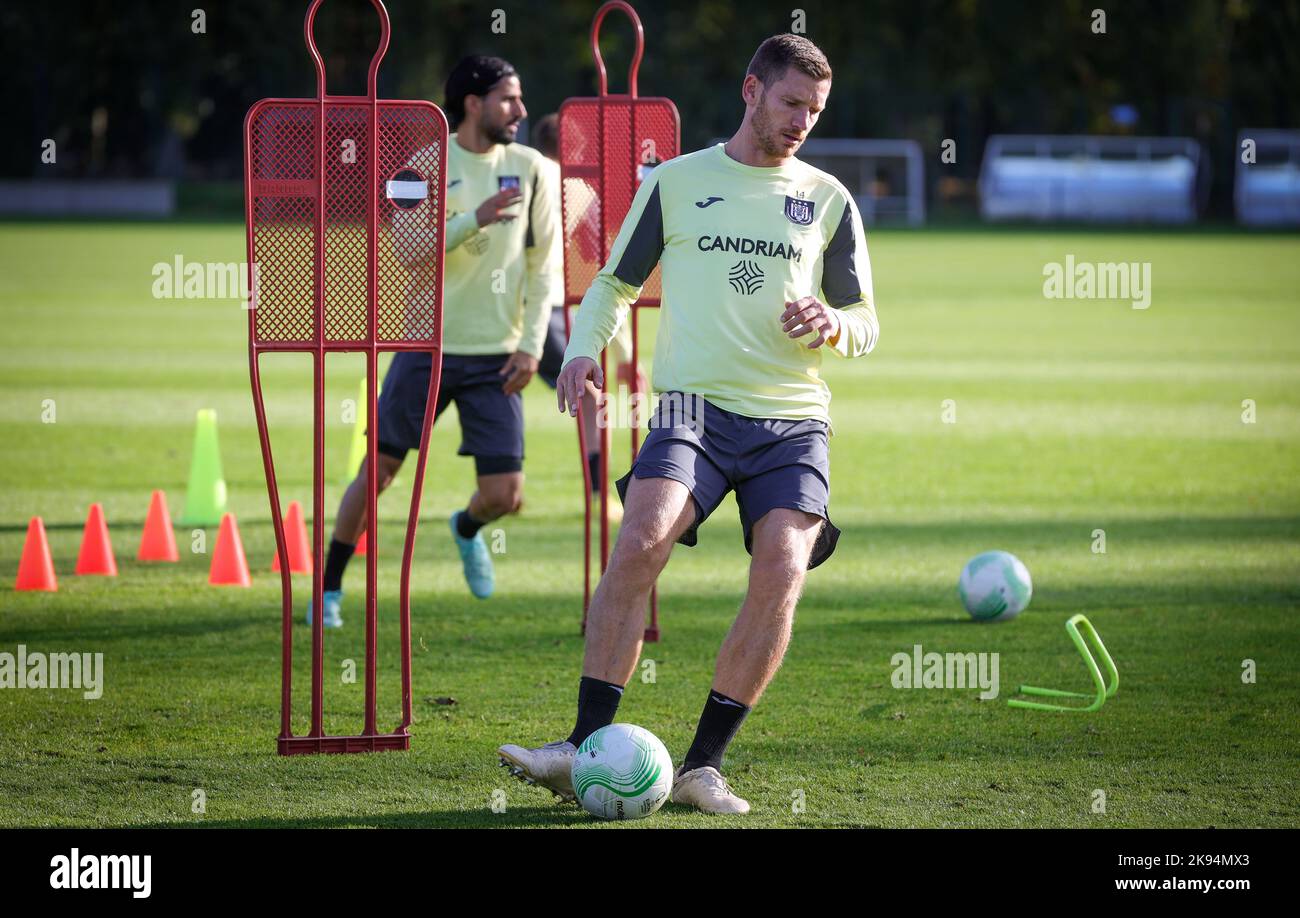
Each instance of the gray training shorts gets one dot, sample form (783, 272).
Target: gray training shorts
(769, 463)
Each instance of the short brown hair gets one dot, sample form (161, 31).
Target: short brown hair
(779, 53)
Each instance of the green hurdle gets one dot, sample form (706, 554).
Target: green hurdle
(1078, 627)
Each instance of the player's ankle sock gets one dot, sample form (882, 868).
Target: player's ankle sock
(597, 705)
(721, 719)
(466, 526)
(593, 464)
(336, 562)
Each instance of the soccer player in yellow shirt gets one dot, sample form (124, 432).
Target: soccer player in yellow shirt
(503, 253)
(765, 269)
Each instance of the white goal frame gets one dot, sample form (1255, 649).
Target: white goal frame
(829, 153)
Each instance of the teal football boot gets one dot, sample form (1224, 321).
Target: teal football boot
(475, 559)
(333, 602)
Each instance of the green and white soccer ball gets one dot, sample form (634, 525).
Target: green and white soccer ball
(995, 586)
(622, 772)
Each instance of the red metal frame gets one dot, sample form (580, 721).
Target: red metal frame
(301, 229)
(600, 119)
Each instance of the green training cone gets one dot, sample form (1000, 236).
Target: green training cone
(358, 451)
(205, 498)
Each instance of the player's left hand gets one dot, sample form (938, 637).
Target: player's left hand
(518, 371)
(808, 314)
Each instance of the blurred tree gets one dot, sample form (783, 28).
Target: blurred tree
(129, 88)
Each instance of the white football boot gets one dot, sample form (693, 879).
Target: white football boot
(707, 791)
(549, 766)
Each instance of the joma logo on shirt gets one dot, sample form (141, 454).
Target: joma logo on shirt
(746, 246)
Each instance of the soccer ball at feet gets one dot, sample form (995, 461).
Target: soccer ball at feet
(622, 772)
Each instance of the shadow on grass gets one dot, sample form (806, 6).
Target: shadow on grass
(1135, 530)
(187, 627)
(546, 620)
(515, 817)
(532, 617)
(1143, 530)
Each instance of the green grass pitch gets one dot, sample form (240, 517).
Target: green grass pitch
(1071, 416)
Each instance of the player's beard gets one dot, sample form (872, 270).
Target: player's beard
(767, 134)
(500, 133)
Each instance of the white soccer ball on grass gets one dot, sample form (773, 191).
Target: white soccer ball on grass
(622, 772)
(995, 586)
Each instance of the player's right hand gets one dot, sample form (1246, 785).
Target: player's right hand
(493, 209)
(581, 374)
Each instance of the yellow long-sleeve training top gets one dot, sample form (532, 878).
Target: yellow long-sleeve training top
(497, 280)
(735, 244)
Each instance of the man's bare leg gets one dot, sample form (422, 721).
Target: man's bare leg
(498, 493)
(590, 431)
(756, 643)
(593, 434)
(658, 511)
(750, 655)
(351, 519)
(348, 526)
(496, 496)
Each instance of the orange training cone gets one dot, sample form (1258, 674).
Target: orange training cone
(96, 556)
(295, 533)
(229, 568)
(36, 569)
(360, 551)
(158, 543)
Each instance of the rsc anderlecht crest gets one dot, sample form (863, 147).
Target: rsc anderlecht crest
(799, 210)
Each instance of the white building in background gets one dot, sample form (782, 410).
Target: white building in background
(1095, 179)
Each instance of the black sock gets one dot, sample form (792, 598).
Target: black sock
(593, 463)
(721, 719)
(466, 525)
(336, 562)
(597, 705)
